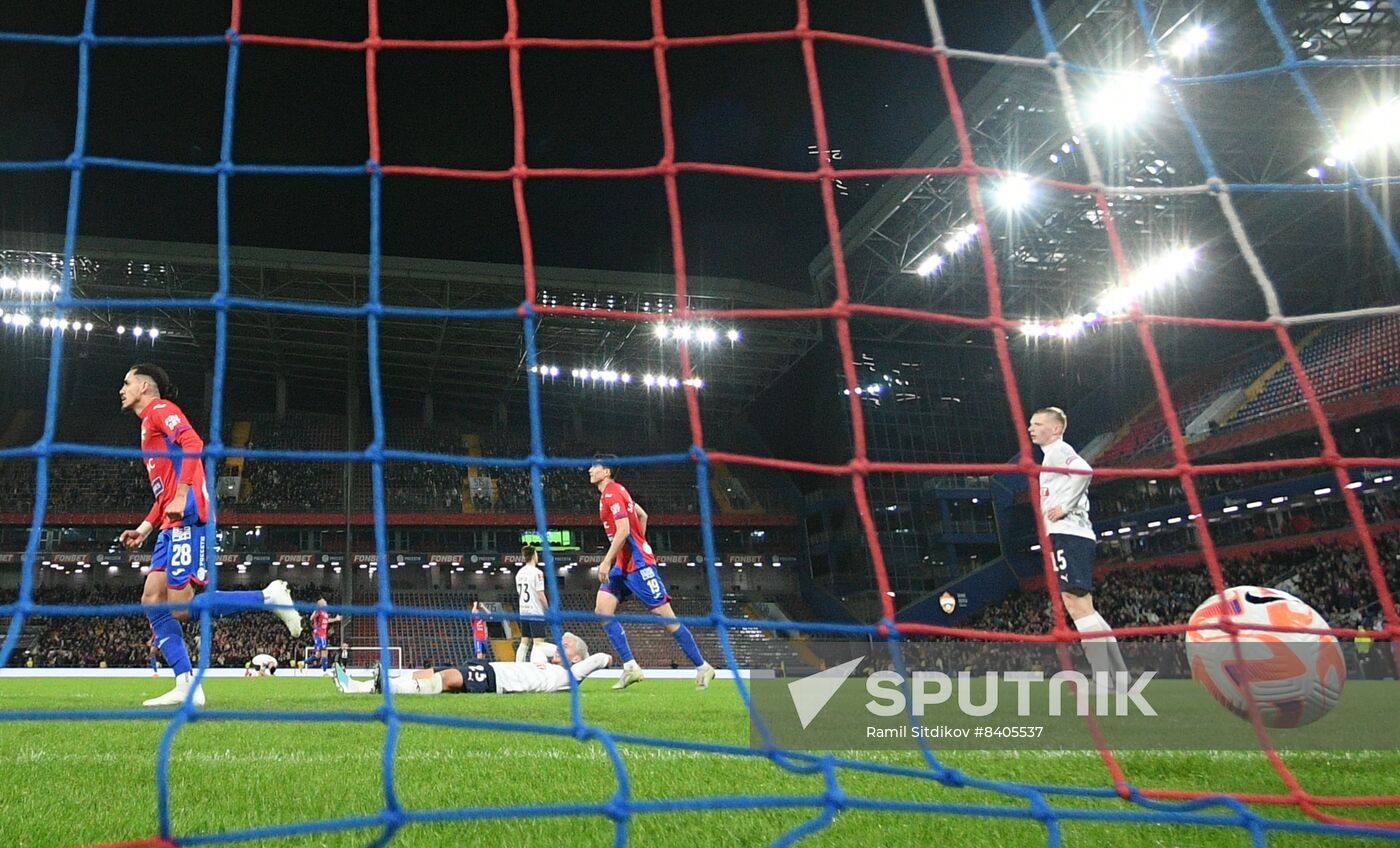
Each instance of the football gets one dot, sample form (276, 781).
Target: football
(1294, 678)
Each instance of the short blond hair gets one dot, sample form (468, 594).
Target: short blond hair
(1054, 412)
(580, 647)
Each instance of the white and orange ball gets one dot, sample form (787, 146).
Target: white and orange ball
(1295, 678)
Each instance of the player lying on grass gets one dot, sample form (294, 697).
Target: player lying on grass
(545, 673)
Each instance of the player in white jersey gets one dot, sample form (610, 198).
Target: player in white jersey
(545, 674)
(1064, 504)
(529, 588)
(264, 664)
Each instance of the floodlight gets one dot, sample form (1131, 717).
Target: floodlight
(1013, 193)
(930, 265)
(1122, 101)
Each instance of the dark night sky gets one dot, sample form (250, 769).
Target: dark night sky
(589, 108)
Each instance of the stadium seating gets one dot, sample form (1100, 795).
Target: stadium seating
(1334, 580)
(1148, 431)
(87, 484)
(1345, 360)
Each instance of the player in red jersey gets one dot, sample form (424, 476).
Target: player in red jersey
(320, 622)
(480, 645)
(181, 508)
(629, 568)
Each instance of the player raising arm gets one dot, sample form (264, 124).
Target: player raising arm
(629, 568)
(181, 508)
(480, 644)
(544, 674)
(320, 621)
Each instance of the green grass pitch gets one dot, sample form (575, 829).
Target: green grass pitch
(76, 783)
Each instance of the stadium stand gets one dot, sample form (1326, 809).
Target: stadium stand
(1343, 360)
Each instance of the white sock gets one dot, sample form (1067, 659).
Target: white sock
(1102, 651)
(522, 651)
(416, 686)
(631, 665)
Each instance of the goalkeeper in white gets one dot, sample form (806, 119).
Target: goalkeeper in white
(544, 673)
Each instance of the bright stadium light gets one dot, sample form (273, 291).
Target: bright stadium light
(648, 380)
(87, 327)
(707, 335)
(681, 333)
(153, 332)
(930, 265)
(660, 332)
(8, 283)
(1012, 194)
(1165, 269)
(44, 322)
(625, 377)
(1115, 301)
(732, 335)
(137, 331)
(1123, 100)
(1189, 42)
(121, 330)
(1374, 130)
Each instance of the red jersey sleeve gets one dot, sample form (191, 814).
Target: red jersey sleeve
(169, 420)
(613, 505)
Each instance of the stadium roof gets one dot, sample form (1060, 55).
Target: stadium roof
(463, 363)
(1053, 258)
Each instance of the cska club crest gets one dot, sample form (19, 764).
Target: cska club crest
(948, 602)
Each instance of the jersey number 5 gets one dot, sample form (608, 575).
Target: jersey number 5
(1060, 564)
